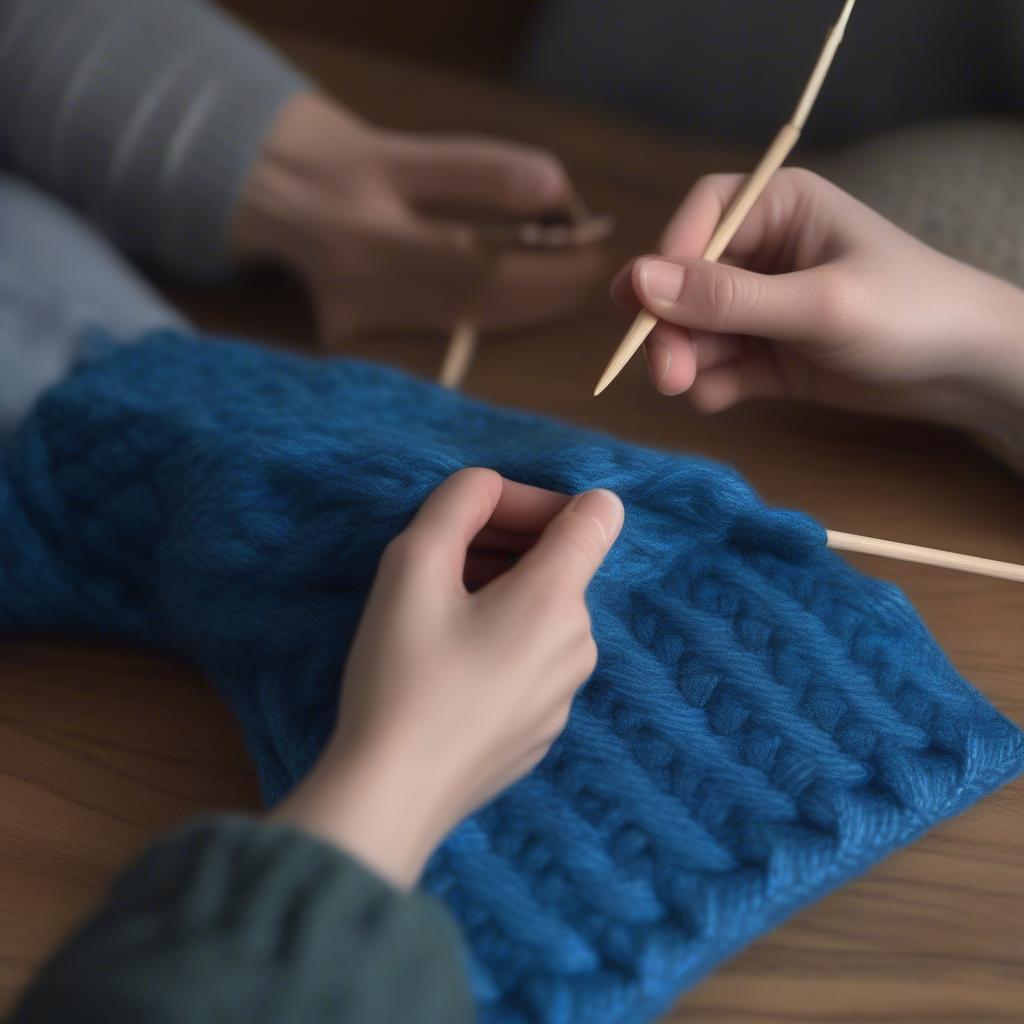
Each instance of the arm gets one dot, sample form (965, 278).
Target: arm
(232, 920)
(199, 148)
(145, 115)
(460, 677)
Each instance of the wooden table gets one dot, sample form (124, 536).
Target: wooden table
(101, 748)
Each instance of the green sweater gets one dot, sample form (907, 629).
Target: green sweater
(231, 920)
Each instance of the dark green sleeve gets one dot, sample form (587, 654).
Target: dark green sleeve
(232, 920)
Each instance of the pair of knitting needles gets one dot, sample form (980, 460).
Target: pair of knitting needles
(733, 218)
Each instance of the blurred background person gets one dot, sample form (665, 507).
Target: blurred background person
(193, 147)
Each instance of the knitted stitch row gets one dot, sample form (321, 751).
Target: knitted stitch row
(764, 722)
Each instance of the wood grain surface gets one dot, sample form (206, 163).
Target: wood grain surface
(101, 747)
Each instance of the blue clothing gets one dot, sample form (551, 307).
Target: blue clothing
(764, 724)
(58, 277)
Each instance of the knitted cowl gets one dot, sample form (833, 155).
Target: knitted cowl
(764, 722)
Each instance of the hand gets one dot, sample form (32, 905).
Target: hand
(826, 301)
(449, 696)
(341, 204)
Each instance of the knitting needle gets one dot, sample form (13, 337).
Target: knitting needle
(465, 336)
(461, 349)
(748, 194)
(924, 556)
(584, 228)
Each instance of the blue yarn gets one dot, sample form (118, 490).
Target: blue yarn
(764, 723)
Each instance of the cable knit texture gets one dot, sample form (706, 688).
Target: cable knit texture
(764, 722)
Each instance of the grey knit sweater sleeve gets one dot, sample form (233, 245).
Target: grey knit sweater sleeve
(143, 114)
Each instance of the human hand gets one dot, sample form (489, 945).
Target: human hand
(342, 204)
(453, 692)
(820, 298)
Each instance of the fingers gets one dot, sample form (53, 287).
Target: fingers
(677, 357)
(523, 509)
(422, 274)
(438, 272)
(693, 224)
(535, 287)
(696, 294)
(474, 523)
(755, 373)
(715, 319)
(478, 172)
(787, 208)
(672, 359)
(444, 527)
(622, 292)
(575, 543)
(519, 518)
(485, 565)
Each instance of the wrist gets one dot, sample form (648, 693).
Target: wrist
(372, 805)
(303, 160)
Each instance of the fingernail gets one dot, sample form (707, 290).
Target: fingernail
(661, 281)
(661, 360)
(604, 508)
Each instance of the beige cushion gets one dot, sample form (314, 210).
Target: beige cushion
(959, 186)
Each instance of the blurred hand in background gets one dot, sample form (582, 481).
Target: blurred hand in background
(347, 207)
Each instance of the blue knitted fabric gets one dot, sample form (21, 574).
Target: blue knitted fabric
(764, 723)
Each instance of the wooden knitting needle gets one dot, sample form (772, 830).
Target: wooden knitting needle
(461, 348)
(582, 228)
(925, 556)
(733, 218)
(747, 196)
(465, 336)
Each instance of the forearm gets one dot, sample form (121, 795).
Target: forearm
(233, 920)
(146, 115)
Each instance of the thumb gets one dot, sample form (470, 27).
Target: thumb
(714, 297)
(576, 542)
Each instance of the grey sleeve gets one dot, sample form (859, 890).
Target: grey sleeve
(145, 115)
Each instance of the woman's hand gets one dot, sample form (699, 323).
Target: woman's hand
(463, 669)
(341, 204)
(820, 298)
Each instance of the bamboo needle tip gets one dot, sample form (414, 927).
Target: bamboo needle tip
(635, 337)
